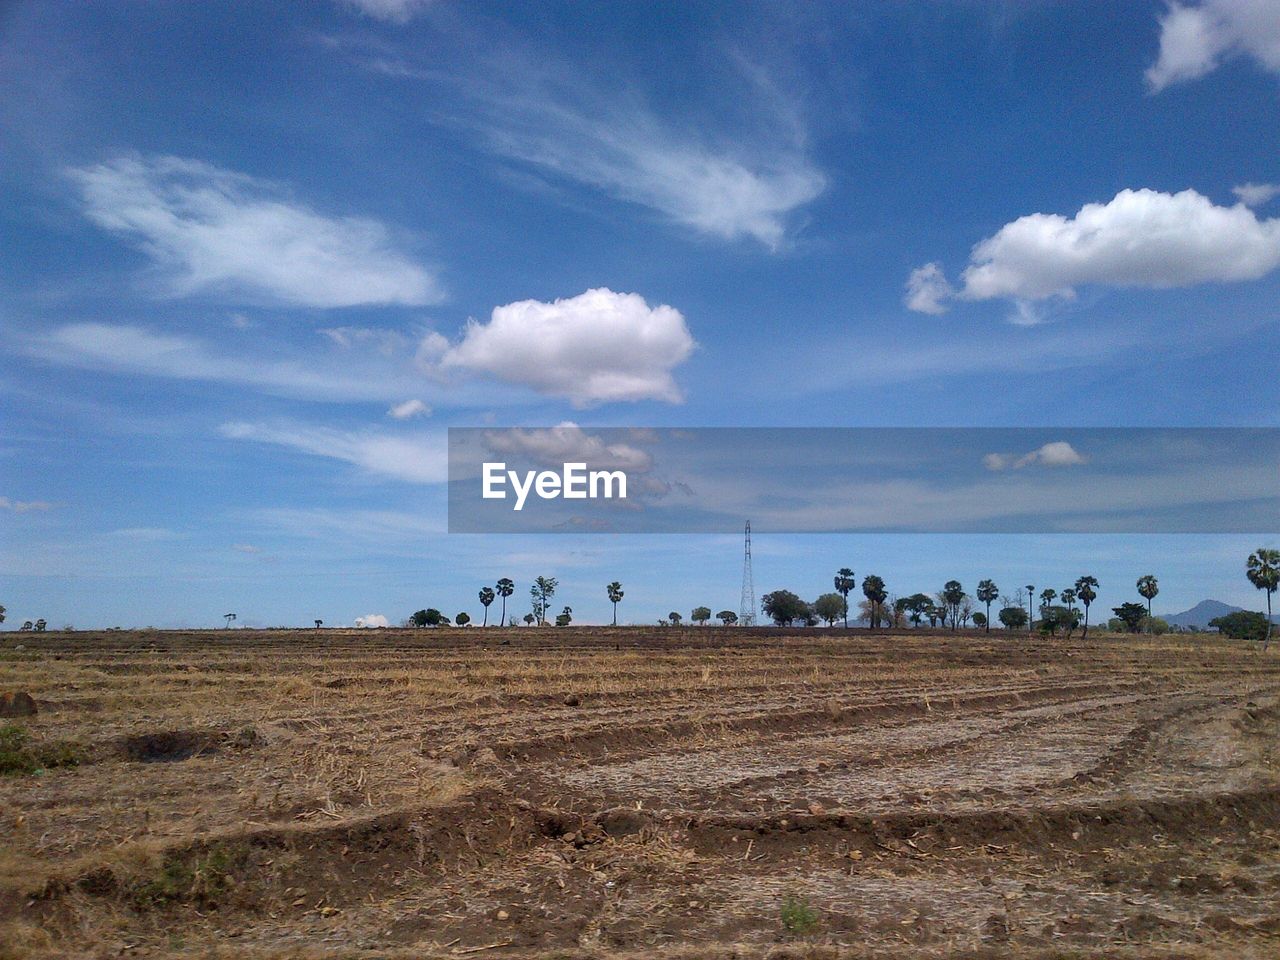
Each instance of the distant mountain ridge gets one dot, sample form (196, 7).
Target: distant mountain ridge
(1203, 612)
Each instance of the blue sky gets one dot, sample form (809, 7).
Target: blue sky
(256, 258)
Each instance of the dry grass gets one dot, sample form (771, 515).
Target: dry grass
(300, 793)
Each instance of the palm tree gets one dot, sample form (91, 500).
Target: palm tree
(1031, 598)
(505, 589)
(1263, 571)
(1148, 587)
(1068, 598)
(486, 598)
(873, 589)
(844, 583)
(1047, 596)
(1087, 592)
(614, 590)
(953, 595)
(987, 593)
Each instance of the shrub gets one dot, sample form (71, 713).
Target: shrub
(798, 918)
(19, 755)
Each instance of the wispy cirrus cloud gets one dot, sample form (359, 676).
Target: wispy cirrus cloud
(389, 11)
(415, 459)
(1196, 38)
(1141, 238)
(24, 506)
(211, 230)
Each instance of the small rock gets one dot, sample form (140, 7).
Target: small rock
(572, 700)
(817, 809)
(854, 854)
(503, 915)
(17, 704)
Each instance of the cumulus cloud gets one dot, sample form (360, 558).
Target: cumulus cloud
(1059, 453)
(1195, 38)
(567, 443)
(410, 408)
(422, 459)
(927, 288)
(372, 620)
(597, 347)
(207, 229)
(24, 506)
(1141, 238)
(1256, 194)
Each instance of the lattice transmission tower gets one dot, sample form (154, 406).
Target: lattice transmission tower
(747, 608)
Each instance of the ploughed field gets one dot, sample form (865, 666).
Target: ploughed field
(639, 792)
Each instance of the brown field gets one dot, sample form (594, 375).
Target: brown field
(639, 792)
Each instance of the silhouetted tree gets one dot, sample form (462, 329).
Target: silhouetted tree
(830, 607)
(783, 607)
(953, 595)
(1087, 591)
(506, 588)
(1148, 587)
(543, 589)
(987, 593)
(228, 617)
(614, 590)
(462, 619)
(844, 584)
(727, 617)
(1132, 615)
(564, 617)
(873, 589)
(675, 618)
(1263, 571)
(1013, 618)
(486, 597)
(700, 615)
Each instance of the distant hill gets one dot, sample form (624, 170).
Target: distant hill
(1203, 612)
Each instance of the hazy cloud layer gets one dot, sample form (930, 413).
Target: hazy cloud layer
(1141, 238)
(24, 506)
(209, 230)
(567, 443)
(1195, 38)
(594, 348)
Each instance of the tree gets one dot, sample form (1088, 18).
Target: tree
(614, 590)
(1263, 571)
(1241, 625)
(700, 615)
(873, 589)
(1031, 597)
(2, 614)
(505, 587)
(434, 617)
(831, 607)
(419, 619)
(462, 619)
(1055, 617)
(26, 625)
(783, 607)
(1013, 618)
(1047, 596)
(953, 594)
(727, 617)
(529, 620)
(987, 593)
(1131, 615)
(1087, 592)
(228, 617)
(1148, 587)
(543, 589)
(1157, 626)
(486, 597)
(675, 618)
(844, 584)
(1068, 598)
(40, 625)
(980, 620)
(319, 624)
(564, 617)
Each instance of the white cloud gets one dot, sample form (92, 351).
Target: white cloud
(391, 11)
(1196, 38)
(927, 287)
(568, 443)
(410, 408)
(24, 506)
(147, 534)
(1059, 453)
(372, 620)
(245, 548)
(212, 230)
(129, 349)
(422, 459)
(1256, 194)
(597, 347)
(1141, 238)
